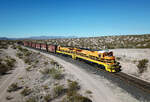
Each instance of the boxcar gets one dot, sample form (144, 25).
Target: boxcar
(34, 45)
(44, 47)
(25, 43)
(52, 48)
(30, 44)
(38, 45)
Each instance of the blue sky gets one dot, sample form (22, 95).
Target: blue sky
(24, 18)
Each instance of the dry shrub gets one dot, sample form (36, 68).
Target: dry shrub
(118, 58)
(59, 90)
(47, 98)
(10, 62)
(55, 73)
(3, 68)
(76, 98)
(19, 54)
(73, 87)
(54, 62)
(9, 97)
(28, 68)
(32, 99)
(26, 91)
(13, 87)
(6, 64)
(142, 65)
(27, 60)
(88, 92)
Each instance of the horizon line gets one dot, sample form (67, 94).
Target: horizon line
(75, 35)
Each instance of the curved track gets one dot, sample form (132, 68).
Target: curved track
(143, 85)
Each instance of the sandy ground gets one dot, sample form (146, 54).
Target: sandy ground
(102, 89)
(13, 76)
(129, 60)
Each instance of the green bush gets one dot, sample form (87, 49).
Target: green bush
(32, 99)
(54, 62)
(27, 53)
(47, 98)
(13, 87)
(28, 68)
(55, 73)
(19, 48)
(142, 65)
(59, 90)
(13, 46)
(88, 92)
(45, 63)
(19, 54)
(9, 98)
(37, 61)
(6, 64)
(118, 58)
(76, 98)
(26, 91)
(10, 62)
(73, 87)
(3, 68)
(27, 60)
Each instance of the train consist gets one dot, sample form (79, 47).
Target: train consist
(104, 58)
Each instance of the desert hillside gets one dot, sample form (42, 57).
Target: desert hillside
(104, 42)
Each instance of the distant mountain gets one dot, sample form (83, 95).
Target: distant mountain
(50, 37)
(38, 37)
(4, 38)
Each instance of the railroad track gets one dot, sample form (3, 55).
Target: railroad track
(143, 85)
(131, 80)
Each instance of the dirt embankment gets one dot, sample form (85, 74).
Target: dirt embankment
(129, 59)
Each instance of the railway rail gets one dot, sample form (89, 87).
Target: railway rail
(131, 80)
(141, 84)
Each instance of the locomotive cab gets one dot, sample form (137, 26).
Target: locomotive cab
(107, 56)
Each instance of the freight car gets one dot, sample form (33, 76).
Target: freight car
(25, 43)
(30, 44)
(33, 45)
(44, 47)
(52, 48)
(104, 58)
(38, 46)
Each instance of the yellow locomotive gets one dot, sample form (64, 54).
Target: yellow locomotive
(104, 58)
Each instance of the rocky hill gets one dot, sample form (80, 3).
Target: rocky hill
(104, 42)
